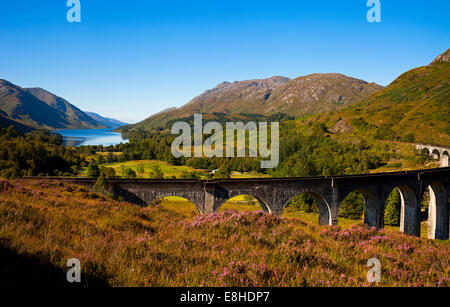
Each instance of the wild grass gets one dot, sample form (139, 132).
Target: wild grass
(126, 245)
(167, 169)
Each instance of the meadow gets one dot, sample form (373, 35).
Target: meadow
(169, 171)
(119, 244)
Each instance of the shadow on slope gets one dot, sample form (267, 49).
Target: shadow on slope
(17, 271)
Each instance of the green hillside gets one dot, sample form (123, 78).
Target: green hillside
(415, 108)
(36, 108)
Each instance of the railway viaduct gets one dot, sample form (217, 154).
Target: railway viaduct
(274, 194)
(440, 153)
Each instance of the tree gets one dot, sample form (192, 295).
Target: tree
(107, 172)
(352, 207)
(140, 170)
(100, 159)
(188, 175)
(156, 172)
(224, 172)
(129, 173)
(11, 132)
(110, 157)
(101, 185)
(93, 170)
(392, 211)
(305, 203)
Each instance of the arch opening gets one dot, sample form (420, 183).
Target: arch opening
(410, 212)
(435, 212)
(308, 206)
(392, 209)
(436, 154)
(361, 205)
(178, 204)
(244, 202)
(425, 151)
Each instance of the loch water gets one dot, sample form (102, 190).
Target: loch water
(105, 137)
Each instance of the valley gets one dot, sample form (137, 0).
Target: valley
(219, 152)
(334, 125)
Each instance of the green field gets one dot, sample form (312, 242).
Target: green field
(170, 171)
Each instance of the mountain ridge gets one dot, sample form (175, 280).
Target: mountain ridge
(303, 95)
(75, 116)
(108, 122)
(34, 108)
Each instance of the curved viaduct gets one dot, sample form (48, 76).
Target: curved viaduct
(440, 153)
(274, 194)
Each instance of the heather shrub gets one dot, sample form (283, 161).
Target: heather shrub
(120, 244)
(5, 185)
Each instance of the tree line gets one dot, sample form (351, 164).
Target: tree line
(39, 153)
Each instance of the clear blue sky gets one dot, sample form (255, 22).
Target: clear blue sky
(130, 59)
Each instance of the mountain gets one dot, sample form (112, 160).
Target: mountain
(33, 108)
(74, 116)
(6, 122)
(443, 58)
(108, 122)
(319, 93)
(413, 108)
(300, 96)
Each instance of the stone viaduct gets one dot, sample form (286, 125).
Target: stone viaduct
(274, 194)
(437, 152)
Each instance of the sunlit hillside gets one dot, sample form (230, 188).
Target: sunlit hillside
(415, 108)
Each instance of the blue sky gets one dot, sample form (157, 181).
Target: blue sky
(130, 59)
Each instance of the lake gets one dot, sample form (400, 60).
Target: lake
(105, 137)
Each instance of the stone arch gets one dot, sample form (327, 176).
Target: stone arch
(445, 159)
(373, 209)
(435, 154)
(263, 204)
(438, 212)
(409, 211)
(325, 217)
(146, 192)
(426, 151)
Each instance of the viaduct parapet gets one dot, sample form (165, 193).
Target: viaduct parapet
(275, 193)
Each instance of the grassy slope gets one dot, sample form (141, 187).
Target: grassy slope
(167, 169)
(121, 244)
(398, 156)
(417, 103)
